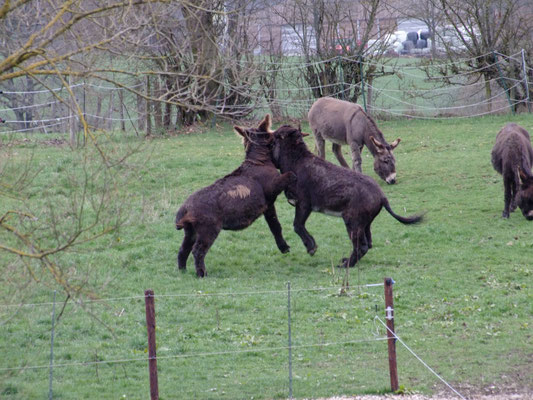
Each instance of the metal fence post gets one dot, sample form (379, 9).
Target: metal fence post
(290, 337)
(362, 73)
(524, 66)
(50, 392)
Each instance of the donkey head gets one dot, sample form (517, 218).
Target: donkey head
(288, 143)
(258, 141)
(524, 196)
(384, 161)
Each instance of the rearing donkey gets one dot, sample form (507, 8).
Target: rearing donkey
(342, 122)
(327, 188)
(235, 201)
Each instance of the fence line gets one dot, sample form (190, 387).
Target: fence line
(281, 101)
(384, 110)
(484, 102)
(33, 128)
(206, 354)
(377, 337)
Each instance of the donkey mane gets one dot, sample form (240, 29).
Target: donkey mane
(376, 132)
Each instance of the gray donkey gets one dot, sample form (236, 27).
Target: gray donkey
(512, 156)
(342, 122)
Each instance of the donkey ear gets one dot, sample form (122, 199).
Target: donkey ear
(377, 143)
(395, 143)
(264, 125)
(240, 131)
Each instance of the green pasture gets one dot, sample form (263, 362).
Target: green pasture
(463, 293)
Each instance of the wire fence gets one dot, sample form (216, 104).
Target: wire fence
(404, 88)
(209, 345)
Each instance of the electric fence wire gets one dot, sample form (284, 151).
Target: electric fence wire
(205, 354)
(427, 108)
(30, 106)
(418, 116)
(32, 128)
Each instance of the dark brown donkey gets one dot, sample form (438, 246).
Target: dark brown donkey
(512, 157)
(342, 122)
(327, 188)
(235, 201)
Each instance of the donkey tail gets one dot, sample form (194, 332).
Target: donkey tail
(183, 218)
(404, 220)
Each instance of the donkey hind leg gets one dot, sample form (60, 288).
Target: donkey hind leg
(361, 241)
(356, 156)
(514, 188)
(368, 236)
(186, 247)
(336, 148)
(205, 236)
(302, 213)
(275, 227)
(320, 144)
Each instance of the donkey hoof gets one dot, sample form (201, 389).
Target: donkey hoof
(284, 248)
(201, 273)
(505, 214)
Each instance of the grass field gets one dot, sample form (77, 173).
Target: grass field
(463, 292)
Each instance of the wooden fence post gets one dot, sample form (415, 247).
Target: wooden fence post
(389, 310)
(152, 359)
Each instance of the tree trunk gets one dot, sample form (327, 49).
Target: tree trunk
(121, 105)
(369, 92)
(141, 113)
(98, 111)
(158, 107)
(109, 117)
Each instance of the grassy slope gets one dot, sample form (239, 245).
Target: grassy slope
(463, 295)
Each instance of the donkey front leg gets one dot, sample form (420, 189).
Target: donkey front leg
(356, 156)
(508, 197)
(186, 247)
(283, 182)
(303, 209)
(205, 236)
(271, 218)
(337, 150)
